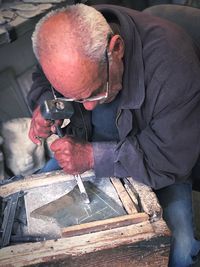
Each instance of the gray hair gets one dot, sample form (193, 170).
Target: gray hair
(88, 26)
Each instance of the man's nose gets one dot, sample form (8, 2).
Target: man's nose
(90, 105)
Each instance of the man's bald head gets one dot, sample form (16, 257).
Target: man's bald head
(76, 28)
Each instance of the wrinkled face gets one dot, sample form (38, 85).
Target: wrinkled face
(78, 77)
(71, 73)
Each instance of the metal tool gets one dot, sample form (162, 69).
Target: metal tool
(82, 189)
(59, 109)
(9, 214)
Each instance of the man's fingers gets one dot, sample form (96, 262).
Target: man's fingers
(54, 126)
(74, 157)
(58, 144)
(53, 129)
(40, 128)
(42, 131)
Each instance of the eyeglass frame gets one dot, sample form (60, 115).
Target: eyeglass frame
(92, 98)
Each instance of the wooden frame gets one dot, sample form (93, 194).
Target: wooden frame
(95, 237)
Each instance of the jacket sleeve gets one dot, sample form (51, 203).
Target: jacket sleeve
(165, 151)
(40, 89)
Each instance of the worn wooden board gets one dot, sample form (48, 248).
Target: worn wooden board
(126, 200)
(151, 253)
(43, 252)
(93, 227)
(38, 180)
(148, 199)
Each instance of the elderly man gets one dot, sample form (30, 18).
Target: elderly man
(135, 84)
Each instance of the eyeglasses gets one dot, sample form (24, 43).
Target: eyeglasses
(99, 96)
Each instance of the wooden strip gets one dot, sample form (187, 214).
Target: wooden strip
(34, 253)
(123, 195)
(132, 196)
(103, 225)
(38, 180)
(148, 199)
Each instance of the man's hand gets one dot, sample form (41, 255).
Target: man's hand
(72, 156)
(41, 128)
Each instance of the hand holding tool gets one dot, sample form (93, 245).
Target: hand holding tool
(59, 109)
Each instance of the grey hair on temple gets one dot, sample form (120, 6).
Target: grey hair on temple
(89, 27)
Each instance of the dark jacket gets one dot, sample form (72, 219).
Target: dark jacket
(158, 117)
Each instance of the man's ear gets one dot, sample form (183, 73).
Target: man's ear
(116, 46)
